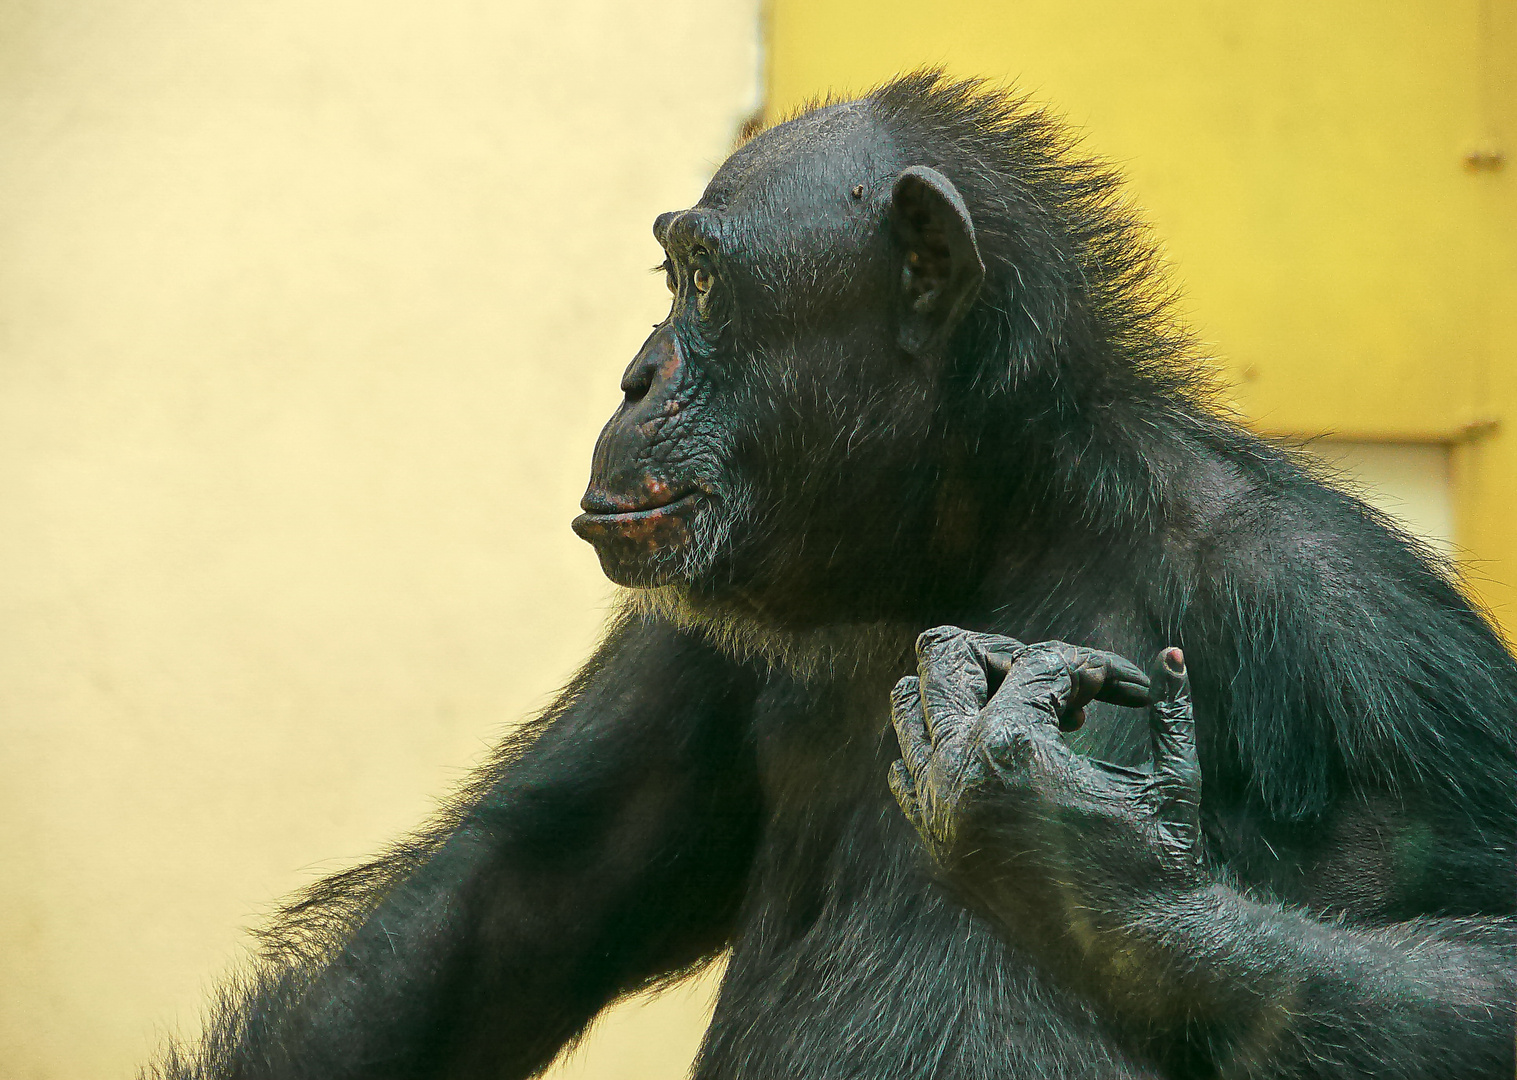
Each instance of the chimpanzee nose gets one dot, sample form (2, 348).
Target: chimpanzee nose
(659, 355)
(638, 378)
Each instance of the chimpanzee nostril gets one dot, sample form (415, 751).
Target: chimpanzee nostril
(656, 365)
(638, 379)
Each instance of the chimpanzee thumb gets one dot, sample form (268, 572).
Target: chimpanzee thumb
(1172, 724)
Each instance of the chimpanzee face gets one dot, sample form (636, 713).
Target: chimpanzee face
(778, 413)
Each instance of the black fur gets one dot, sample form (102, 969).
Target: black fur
(715, 778)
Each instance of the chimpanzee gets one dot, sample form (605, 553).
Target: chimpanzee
(921, 371)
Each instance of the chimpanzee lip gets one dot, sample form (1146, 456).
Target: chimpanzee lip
(597, 520)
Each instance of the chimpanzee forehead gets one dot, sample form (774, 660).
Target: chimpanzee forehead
(803, 170)
(828, 142)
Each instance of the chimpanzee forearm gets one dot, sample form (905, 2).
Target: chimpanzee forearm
(605, 847)
(1213, 983)
(1095, 871)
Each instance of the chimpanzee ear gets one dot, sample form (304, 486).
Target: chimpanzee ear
(941, 269)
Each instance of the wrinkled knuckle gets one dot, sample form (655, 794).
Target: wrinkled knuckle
(1015, 746)
(1047, 658)
(1188, 775)
(1100, 663)
(995, 642)
(1020, 736)
(1058, 647)
(900, 778)
(938, 635)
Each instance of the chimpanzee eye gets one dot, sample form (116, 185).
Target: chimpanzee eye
(701, 279)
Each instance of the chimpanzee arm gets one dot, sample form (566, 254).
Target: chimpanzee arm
(1095, 870)
(604, 848)
(1216, 983)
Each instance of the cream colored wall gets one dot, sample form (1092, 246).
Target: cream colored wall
(1411, 482)
(309, 314)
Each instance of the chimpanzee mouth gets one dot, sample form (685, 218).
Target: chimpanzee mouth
(601, 518)
(640, 548)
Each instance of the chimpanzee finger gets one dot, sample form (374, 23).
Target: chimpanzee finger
(910, 724)
(1057, 680)
(953, 684)
(1124, 683)
(995, 653)
(905, 792)
(1172, 725)
(1114, 679)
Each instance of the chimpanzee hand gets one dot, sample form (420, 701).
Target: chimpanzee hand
(1014, 817)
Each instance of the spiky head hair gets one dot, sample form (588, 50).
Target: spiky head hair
(1075, 288)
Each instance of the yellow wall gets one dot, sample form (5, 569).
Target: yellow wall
(309, 314)
(1304, 163)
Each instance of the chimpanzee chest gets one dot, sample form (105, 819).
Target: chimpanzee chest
(852, 963)
(850, 960)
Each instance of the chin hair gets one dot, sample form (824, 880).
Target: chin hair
(693, 588)
(812, 653)
(710, 543)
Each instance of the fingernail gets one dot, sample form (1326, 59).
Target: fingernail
(1174, 662)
